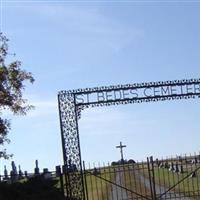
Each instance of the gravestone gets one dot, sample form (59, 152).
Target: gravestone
(193, 174)
(14, 168)
(171, 168)
(36, 170)
(96, 171)
(181, 169)
(176, 168)
(131, 161)
(195, 160)
(5, 173)
(58, 171)
(13, 173)
(26, 174)
(157, 162)
(46, 173)
(161, 165)
(166, 165)
(20, 172)
(180, 159)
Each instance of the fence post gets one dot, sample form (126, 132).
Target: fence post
(85, 181)
(150, 180)
(153, 177)
(60, 175)
(62, 183)
(150, 166)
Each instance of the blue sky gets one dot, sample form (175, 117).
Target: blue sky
(70, 45)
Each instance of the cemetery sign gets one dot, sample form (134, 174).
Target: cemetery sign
(136, 92)
(72, 102)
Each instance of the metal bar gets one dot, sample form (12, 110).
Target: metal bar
(136, 86)
(197, 180)
(79, 148)
(61, 183)
(120, 180)
(99, 168)
(157, 167)
(134, 174)
(156, 98)
(129, 177)
(115, 181)
(192, 179)
(173, 178)
(139, 179)
(143, 174)
(96, 185)
(150, 180)
(91, 184)
(105, 175)
(62, 135)
(110, 177)
(124, 176)
(85, 181)
(63, 149)
(153, 177)
(186, 165)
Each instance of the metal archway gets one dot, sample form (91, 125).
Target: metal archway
(72, 102)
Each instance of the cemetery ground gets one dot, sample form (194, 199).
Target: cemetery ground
(174, 178)
(160, 179)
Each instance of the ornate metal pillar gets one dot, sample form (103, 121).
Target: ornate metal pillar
(71, 146)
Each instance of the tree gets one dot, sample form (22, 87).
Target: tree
(12, 79)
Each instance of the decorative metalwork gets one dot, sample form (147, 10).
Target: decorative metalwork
(71, 146)
(72, 102)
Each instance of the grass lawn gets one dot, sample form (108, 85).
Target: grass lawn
(133, 179)
(98, 188)
(168, 179)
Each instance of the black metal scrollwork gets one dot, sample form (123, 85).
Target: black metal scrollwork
(70, 112)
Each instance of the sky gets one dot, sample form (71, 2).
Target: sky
(78, 44)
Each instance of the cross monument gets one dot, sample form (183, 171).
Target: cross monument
(121, 150)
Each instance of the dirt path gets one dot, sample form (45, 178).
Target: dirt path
(118, 193)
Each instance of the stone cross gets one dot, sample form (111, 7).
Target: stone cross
(121, 150)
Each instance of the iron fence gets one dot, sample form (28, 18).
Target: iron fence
(171, 178)
(154, 179)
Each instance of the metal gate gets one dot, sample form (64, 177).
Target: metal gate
(176, 178)
(117, 182)
(72, 102)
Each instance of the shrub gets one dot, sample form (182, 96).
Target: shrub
(36, 188)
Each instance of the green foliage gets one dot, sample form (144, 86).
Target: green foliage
(12, 79)
(36, 188)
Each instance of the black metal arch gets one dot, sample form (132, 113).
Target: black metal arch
(73, 101)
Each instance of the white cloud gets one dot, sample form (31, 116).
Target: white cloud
(88, 22)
